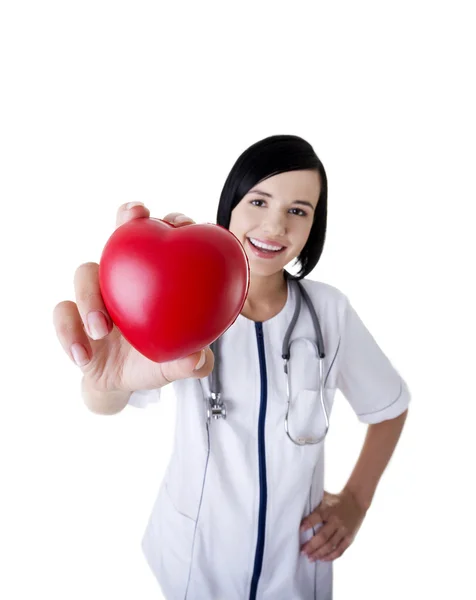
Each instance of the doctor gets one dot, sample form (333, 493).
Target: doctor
(242, 512)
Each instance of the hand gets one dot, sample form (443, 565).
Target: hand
(341, 517)
(89, 337)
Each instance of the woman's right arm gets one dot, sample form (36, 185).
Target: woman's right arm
(103, 403)
(112, 369)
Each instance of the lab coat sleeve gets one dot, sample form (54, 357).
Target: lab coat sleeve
(366, 377)
(142, 398)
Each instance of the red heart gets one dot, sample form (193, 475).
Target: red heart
(172, 291)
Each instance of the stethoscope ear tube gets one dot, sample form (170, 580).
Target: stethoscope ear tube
(315, 320)
(286, 353)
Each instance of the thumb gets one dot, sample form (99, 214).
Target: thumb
(196, 365)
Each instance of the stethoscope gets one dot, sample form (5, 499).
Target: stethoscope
(216, 408)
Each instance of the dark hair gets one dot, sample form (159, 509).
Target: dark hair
(268, 157)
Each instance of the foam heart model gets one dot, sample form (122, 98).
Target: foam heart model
(172, 291)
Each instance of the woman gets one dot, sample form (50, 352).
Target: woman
(242, 512)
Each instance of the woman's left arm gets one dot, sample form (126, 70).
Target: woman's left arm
(341, 515)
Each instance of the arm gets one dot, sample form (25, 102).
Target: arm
(341, 515)
(379, 397)
(103, 403)
(379, 445)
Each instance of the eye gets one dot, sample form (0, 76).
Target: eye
(298, 211)
(257, 202)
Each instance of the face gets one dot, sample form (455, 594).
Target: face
(274, 219)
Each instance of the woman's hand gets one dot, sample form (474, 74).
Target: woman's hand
(89, 337)
(340, 517)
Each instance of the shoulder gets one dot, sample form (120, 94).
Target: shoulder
(325, 293)
(330, 302)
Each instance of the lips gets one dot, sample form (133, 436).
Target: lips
(266, 245)
(263, 253)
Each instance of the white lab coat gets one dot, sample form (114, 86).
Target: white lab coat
(225, 525)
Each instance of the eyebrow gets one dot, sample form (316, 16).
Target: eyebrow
(301, 202)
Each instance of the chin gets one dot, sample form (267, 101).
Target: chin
(264, 271)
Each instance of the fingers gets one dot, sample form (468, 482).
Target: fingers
(137, 210)
(87, 319)
(92, 310)
(129, 211)
(197, 365)
(178, 219)
(339, 550)
(321, 538)
(70, 332)
(329, 547)
(331, 542)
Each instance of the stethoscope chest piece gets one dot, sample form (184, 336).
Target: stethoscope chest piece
(216, 408)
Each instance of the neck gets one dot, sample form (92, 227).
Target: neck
(266, 296)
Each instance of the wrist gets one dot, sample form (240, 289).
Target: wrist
(103, 402)
(362, 500)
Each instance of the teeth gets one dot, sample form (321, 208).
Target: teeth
(265, 246)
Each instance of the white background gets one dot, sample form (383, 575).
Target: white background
(108, 102)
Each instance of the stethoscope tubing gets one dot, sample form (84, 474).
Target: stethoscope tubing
(216, 407)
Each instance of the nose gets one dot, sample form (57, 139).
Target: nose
(274, 224)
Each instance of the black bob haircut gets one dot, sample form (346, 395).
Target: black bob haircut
(268, 157)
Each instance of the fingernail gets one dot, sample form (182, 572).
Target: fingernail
(130, 205)
(80, 355)
(181, 219)
(97, 325)
(201, 362)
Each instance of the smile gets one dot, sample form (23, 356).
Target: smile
(264, 246)
(264, 249)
